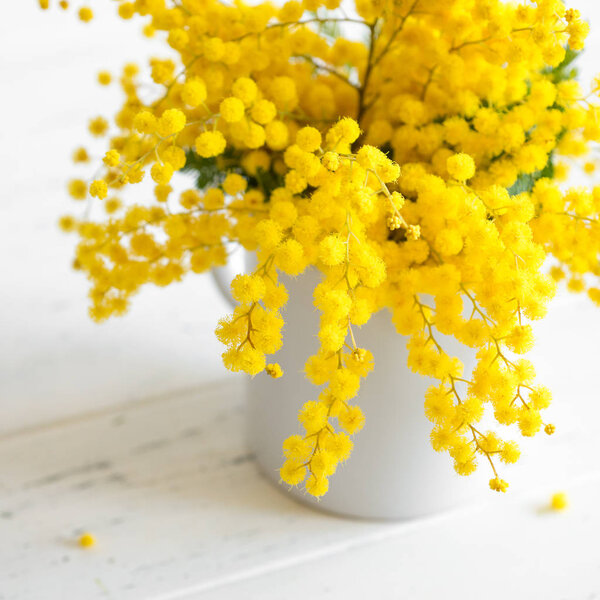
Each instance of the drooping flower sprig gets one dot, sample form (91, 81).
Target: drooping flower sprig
(418, 170)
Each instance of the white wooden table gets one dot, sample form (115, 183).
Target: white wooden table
(133, 431)
(179, 511)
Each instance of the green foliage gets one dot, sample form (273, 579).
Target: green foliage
(266, 181)
(210, 172)
(526, 181)
(326, 28)
(207, 171)
(565, 70)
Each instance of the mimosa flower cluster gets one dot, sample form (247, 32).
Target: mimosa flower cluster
(418, 170)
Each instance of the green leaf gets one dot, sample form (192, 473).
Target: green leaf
(210, 172)
(266, 181)
(526, 181)
(565, 70)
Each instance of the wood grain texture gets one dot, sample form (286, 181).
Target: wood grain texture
(115, 430)
(520, 550)
(169, 490)
(171, 493)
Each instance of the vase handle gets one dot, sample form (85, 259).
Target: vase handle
(222, 276)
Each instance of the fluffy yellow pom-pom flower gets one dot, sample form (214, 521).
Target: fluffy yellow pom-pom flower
(498, 485)
(559, 501)
(104, 78)
(245, 89)
(248, 288)
(332, 250)
(111, 158)
(292, 472)
(98, 189)
(210, 143)
(194, 92)
(274, 370)
(461, 167)
(87, 540)
(145, 122)
(86, 14)
(171, 121)
(308, 139)
(161, 173)
(78, 189)
(232, 109)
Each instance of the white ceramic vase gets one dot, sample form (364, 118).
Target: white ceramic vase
(393, 473)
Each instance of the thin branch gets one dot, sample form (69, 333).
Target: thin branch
(328, 69)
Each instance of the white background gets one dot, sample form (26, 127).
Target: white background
(54, 361)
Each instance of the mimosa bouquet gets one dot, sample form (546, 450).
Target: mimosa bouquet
(409, 150)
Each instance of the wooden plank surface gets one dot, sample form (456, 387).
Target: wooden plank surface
(179, 510)
(170, 492)
(520, 551)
